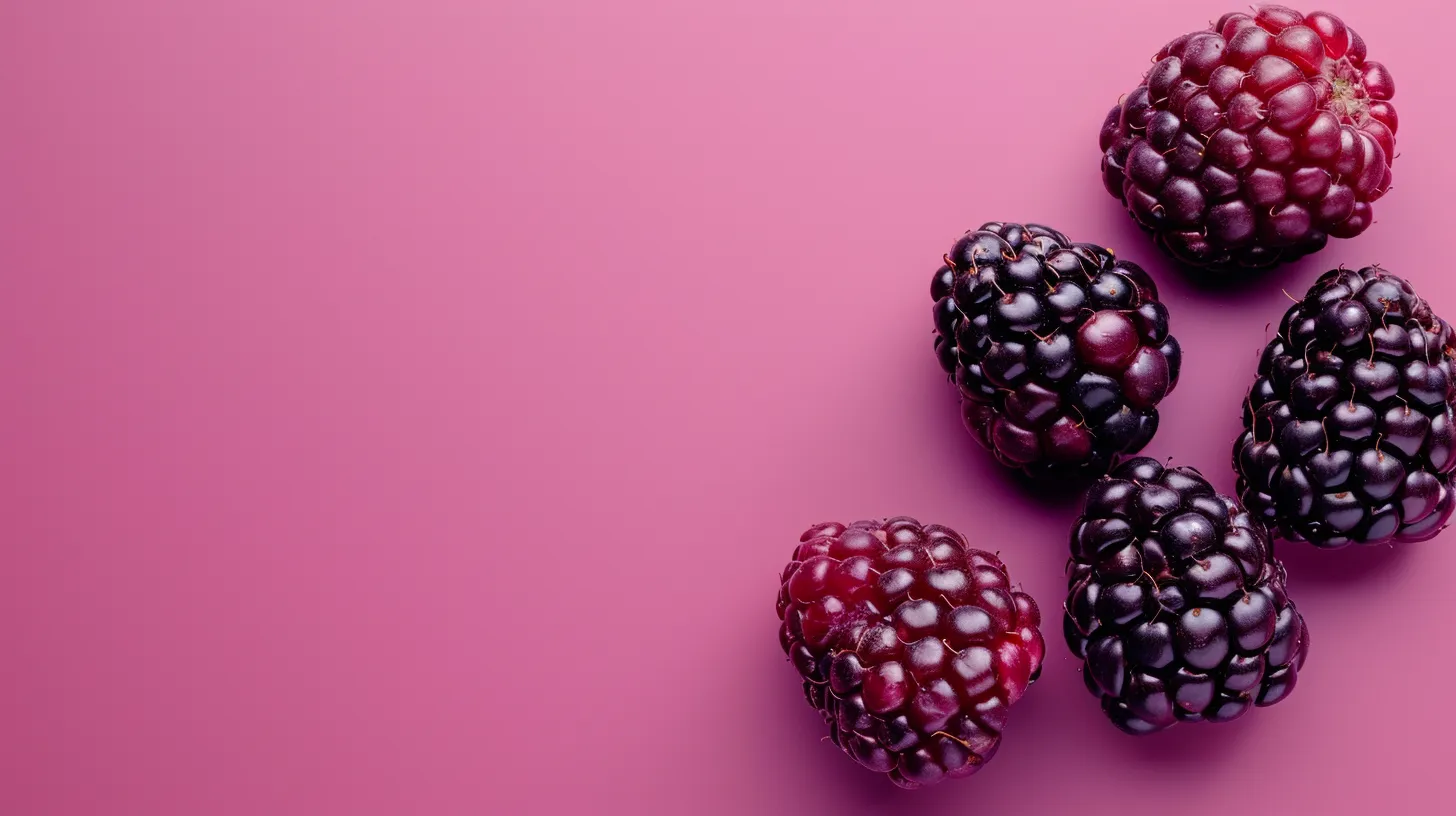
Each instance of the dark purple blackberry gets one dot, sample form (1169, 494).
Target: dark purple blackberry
(1251, 142)
(912, 645)
(1176, 603)
(1061, 351)
(1348, 429)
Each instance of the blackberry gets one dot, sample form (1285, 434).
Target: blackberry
(1348, 429)
(1176, 605)
(911, 645)
(1061, 351)
(1250, 143)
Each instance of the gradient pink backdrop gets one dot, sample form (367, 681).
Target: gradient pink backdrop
(406, 407)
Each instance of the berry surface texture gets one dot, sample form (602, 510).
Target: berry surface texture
(1255, 141)
(912, 645)
(1176, 604)
(1060, 351)
(1349, 435)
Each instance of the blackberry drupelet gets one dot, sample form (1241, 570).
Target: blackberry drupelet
(911, 645)
(1348, 429)
(1176, 605)
(1061, 351)
(1248, 144)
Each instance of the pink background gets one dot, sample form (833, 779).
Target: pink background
(406, 407)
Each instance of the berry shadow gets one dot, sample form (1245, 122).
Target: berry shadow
(1185, 743)
(1081, 720)
(1308, 564)
(792, 727)
(978, 466)
(1182, 281)
(796, 744)
(1293, 277)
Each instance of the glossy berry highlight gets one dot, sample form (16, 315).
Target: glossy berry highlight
(910, 644)
(1060, 351)
(1251, 143)
(1348, 429)
(1176, 605)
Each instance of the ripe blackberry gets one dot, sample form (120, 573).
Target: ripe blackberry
(1176, 604)
(1249, 143)
(911, 645)
(1348, 429)
(1061, 351)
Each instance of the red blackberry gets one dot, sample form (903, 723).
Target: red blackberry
(1249, 143)
(1176, 604)
(1348, 429)
(1061, 351)
(911, 645)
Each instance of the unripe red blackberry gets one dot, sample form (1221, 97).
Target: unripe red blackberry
(1176, 604)
(1060, 351)
(1248, 144)
(1350, 436)
(911, 645)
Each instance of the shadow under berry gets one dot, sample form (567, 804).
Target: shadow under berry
(1179, 281)
(792, 720)
(1187, 744)
(941, 402)
(1308, 564)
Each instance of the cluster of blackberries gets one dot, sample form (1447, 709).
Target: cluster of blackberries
(1245, 145)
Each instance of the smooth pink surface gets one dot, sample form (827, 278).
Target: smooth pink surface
(407, 407)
